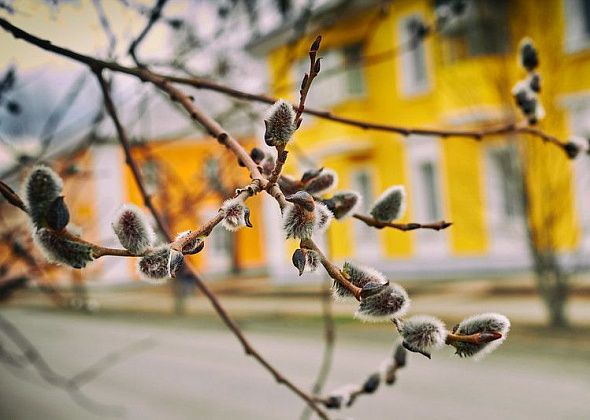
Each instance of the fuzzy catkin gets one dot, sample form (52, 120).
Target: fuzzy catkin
(391, 205)
(61, 250)
(343, 203)
(424, 333)
(133, 230)
(323, 217)
(391, 302)
(155, 267)
(324, 181)
(482, 323)
(357, 275)
(280, 123)
(41, 188)
(235, 214)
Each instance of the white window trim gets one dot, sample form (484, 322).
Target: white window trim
(420, 149)
(406, 85)
(215, 262)
(574, 41)
(507, 238)
(368, 249)
(581, 174)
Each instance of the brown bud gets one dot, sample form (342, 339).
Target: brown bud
(57, 216)
(316, 44)
(298, 260)
(317, 66)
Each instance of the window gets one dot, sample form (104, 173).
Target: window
(425, 190)
(506, 227)
(481, 30)
(579, 119)
(414, 73)
(577, 17)
(507, 188)
(365, 237)
(353, 62)
(430, 190)
(341, 78)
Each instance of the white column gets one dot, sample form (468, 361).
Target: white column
(110, 195)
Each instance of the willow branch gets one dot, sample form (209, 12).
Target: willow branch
(314, 69)
(200, 83)
(329, 341)
(232, 144)
(370, 221)
(478, 338)
(331, 269)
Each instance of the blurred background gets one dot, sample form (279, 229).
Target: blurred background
(519, 243)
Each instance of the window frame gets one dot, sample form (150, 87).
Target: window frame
(576, 39)
(420, 150)
(407, 85)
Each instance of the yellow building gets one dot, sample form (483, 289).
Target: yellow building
(460, 76)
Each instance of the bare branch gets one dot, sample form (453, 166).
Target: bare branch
(155, 14)
(370, 221)
(233, 145)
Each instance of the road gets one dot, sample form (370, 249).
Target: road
(201, 373)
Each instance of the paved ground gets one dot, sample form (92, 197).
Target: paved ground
(197, 371)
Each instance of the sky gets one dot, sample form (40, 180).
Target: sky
(43, 79)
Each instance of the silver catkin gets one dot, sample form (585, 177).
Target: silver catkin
(41, 188)
(482, 323)
(424, 333)
(61, 250)
(392, 302)
(391, 205)
(359, 276)
(280, 123)
(133, 229)
(155, 267)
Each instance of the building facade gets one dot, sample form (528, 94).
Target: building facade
(459, 76)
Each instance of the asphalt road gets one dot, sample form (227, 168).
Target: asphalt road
(201, 373)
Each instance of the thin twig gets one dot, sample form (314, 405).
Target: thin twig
(370, 221)
(106, 362)
(154, 16)
(314, 69)
(217, 131)
(329, 341)
(106, 26)
(332, 270)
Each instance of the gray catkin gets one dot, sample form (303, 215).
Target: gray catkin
(59, 249)
(390, 205)
(41, 188)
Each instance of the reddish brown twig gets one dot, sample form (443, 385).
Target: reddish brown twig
(314, 70)
(332, 270)
(217, 131)
(370, 221)
(479, 338)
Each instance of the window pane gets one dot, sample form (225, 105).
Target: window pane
(353, 55)
(507, 182)
(430, 188)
